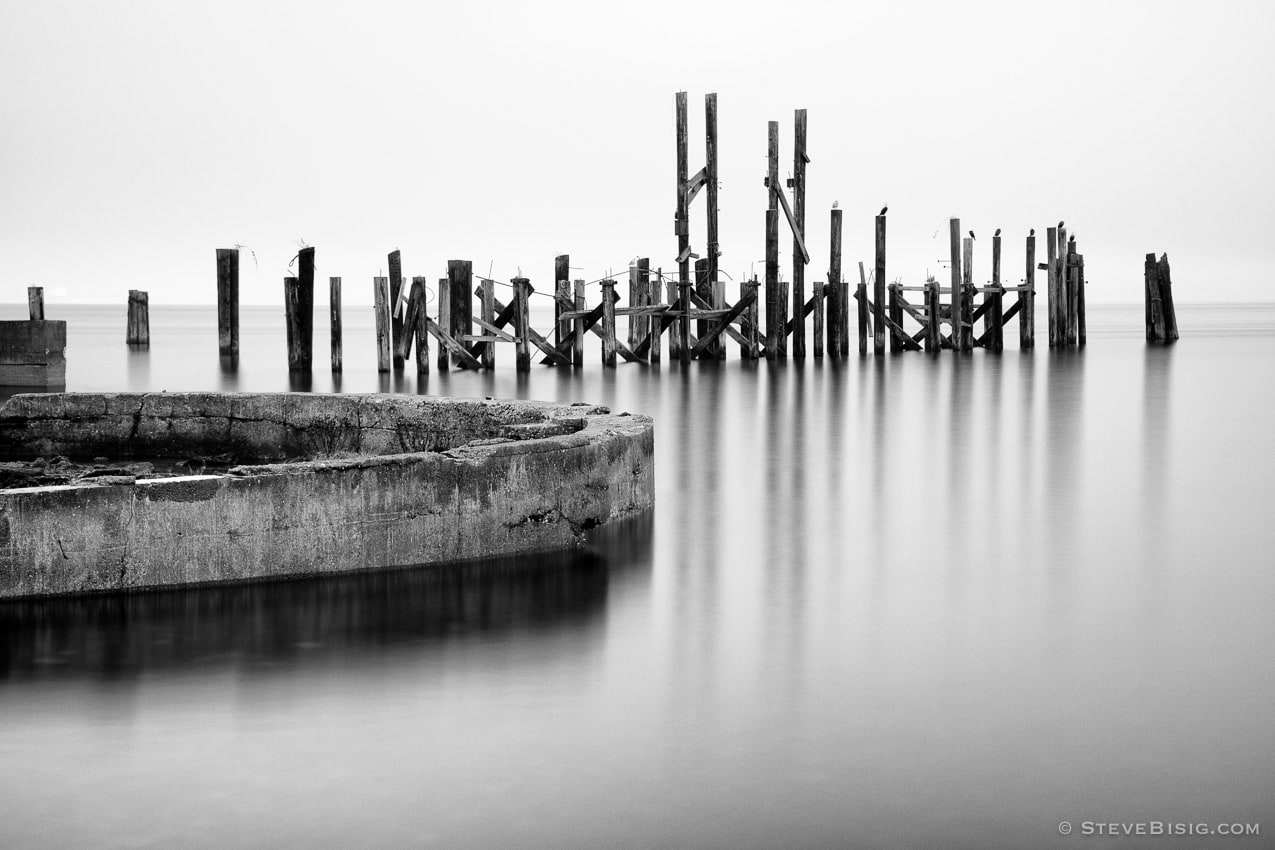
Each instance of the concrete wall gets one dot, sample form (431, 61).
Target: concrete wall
(32, 353)
(536, 477)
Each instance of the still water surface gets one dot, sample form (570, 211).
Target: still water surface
(898, 601)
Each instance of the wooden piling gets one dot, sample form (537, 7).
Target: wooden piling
(444, 320)
(292, 324)
(704, 290)
(1073, 290)
(608, 323)
(1054, 292)
(819, 292)
(1081, 329)
(228, 300)
(460, 275)
(799, 160)
(655, 295)
(934, 316)
(395, 263)
(334, 312)
(1166, 300)
(1027, 297)
(488, 298)
(836, 289)
(562, 289)
(684, 326)
(748, 347)
(675, 331)
(958, 293)
(719, 303)
(403, 347)
(993, 320)
(861, 295)
(966, 335)
(421, 328)
(774, 325)
(138, 331)
(577, 341)
(713, 248)
(381, 306)
(522, 313)
(878, 291)
(894, 309)
(681, 220)
(35, 303)
(305, 305)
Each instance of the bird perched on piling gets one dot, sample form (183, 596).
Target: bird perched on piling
(883, 209)
(1071, 240)
(998, 232)
(1060, 225)
(1033, 232)
(972, 234)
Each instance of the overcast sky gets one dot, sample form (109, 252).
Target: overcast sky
(136, 138)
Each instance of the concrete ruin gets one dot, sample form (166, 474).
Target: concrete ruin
(304, 484)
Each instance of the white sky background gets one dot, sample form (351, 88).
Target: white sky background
(136, 138)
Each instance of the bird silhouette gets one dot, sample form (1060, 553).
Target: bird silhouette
(1033, 232)
(998, 232)
(1060, 225)
(834, 204)
(883, 209)
(972, 234)
(1072, 239)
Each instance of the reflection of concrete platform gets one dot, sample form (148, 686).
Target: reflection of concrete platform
(32, 354)
(323, 483)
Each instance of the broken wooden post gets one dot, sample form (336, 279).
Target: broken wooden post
(1162, 321)
(381, 306)
(994, 318)
(577, 339)
(488, 297)
(522, 314)
(421, 327)
(444, 320)
(293, 317)
(1027, 298)
(395, 262)
(334, 311)
(818, 292)
(228, 300)
(608, 323)
(958, 294)
(878, 291)
(774, 321)
(460, 274)
(1054, 293)
(838, 328)
(138, 331)
(748, 347)
(562, 292)
(408, 321)
(894, 309)
(35, 303)
(799, 160)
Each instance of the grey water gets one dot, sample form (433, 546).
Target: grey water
(906, 601)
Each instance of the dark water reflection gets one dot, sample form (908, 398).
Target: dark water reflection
(900, 601)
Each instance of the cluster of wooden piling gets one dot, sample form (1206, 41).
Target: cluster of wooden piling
(1162, 320)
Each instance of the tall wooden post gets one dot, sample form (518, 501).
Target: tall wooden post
(774, 325)
(381, 304)
(334, 313)
(420, 329)
(838, 328)
(819, 293)
(967, 295)
(1054, 294)
(488, 288)
(408, 320)
(608, 323)
(228, 300)
(460, 275)
(958, 294)
(1027, 297)
(577, 340)
(713, 249)
(681, 220)
(138, 331)
(561, 289)
(878, 292)
(799, 160)
(522, 311)
(994, 317)
(395, 261)
(305, 305)
(444, 320)
(292, 323)
(35, 303)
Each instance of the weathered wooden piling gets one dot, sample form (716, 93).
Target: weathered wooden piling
(713, 249)
(966, 336)
(1073, 295)
(684, 325)
(1027, 298)
(444, 320)
(934, 316)
(1162, 320)
(577, 343)
(305, 302)
(798, 183)
(958, 292)
(861, 295)
(35, 303)
(487, 299)
(655, 295)
(381, 306)
(228, 300)
(294, 318)
(681, 218)
(1054, 294)
(407, 320)
(838, 330)
(522, 314)
(562, 292)
(139, 322)
(608, 323)
(774, 324)
(819, 293)
(420, 329)
(639, 296)
(460, 276)
(994, 318)
(1081, 326)
(878, 291)
(334, 312)
(395, 265)
(704, 291)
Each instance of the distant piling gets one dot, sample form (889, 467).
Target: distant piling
(138, 331)
(35, 303)
(334, 312)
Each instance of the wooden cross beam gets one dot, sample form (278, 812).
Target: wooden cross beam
(465, 359)
(724, 325)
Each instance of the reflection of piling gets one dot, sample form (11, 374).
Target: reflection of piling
(228, 300)
(139, 322)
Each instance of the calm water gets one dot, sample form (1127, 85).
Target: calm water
(905, 601)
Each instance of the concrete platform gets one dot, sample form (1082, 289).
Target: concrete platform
(33, 354)
(322, 483)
